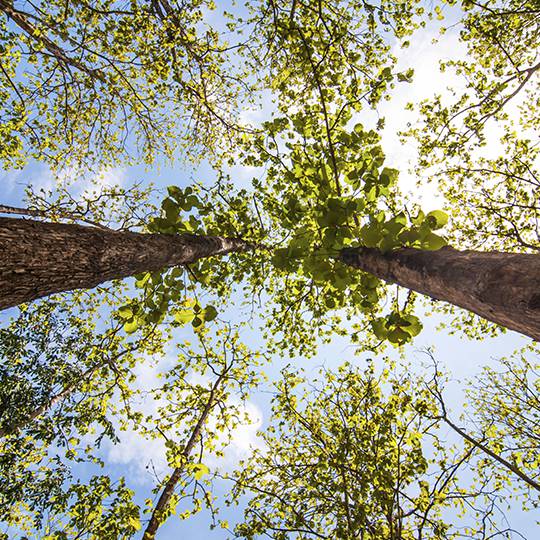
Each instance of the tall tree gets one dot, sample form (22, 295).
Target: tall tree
(97, 81)
(501, 287)
(356, 455)
(326, 189)
(43, 258)
(325, 193)
(204, 396)
(501, 421)
(65, 376)
(479, 141)
(40, 258)
(325, 207)
(48, 354)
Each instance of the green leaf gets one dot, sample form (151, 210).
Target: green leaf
(388, 176)
(154, 316)
(433, 242)
(142, 280)
(176, 193)
(171, 209)
(398, 336)
(379, 328)
(437, 219)
(196, 322)
(386, 73)
(280, 258)
(409, 237)
(162, 225)
(388, 243)
(371, 194)
(395, 225)
(210, 313)
(125, 312)
(191, 202)
(330, 302)
(131, 326)
(418, 220)
(200, 470)
(135, 523)
(370, 235)
(320, 270)
(184, 316)
(414, 326)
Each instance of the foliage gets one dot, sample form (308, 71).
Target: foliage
(506, 409)
(200, 404)
(481, 146)
(106, 206)
(324, 187)
(96, 510)
(355, 454)
(95, 81)
(68, 385)
(500, 419)
(478, 143)
(502, 64)
(63, 380)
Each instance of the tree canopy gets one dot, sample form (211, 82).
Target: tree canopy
(156, 315)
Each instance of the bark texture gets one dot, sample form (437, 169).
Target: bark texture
(39, 258)
(501, 287)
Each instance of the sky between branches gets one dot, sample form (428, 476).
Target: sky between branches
(461, 357)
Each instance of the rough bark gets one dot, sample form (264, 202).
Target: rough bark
(501, 287)
(39, 258)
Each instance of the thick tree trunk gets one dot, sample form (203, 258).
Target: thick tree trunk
(39, 258)
(501, 287)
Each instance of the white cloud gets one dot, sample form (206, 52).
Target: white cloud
(111, 176)
(106, 177)
(9, 180)
(134, 451)
(257, 114)
(140, 455)
(243, 438)
(40, 178)
(145, 458)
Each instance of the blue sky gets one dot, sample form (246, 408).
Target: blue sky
(463, 358)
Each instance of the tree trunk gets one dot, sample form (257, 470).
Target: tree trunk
(160, 511)
(501, 287)
(39, 258)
